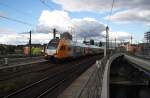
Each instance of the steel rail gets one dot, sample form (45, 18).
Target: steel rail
(40, 81)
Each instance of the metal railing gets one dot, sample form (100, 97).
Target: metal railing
(93, 87)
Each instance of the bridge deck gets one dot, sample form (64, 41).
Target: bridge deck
(75, 88)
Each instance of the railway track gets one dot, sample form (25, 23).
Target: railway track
(19, 79)
(49, 85)
(19, 73)
(32, 69)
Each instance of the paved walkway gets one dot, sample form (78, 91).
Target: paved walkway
(75, 88)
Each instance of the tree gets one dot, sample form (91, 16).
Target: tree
(91, 42)
(2, 49)
(100, 44)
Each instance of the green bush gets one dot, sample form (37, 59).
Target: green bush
(36, 51)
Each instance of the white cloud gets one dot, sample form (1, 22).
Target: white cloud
(101, 5)
(54, 19)
(120, 36)
(16, 39)
(85, 27)
(133, 15)
(41, 38)
(135, 10)
(11, 39)
(88, 27)
(83, 5)
(6, 31)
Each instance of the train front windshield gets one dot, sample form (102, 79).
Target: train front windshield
(53, 44)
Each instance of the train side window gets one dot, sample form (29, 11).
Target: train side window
(69, 48)
(64, 48)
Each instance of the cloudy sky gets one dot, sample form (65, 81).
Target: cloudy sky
(85, 18)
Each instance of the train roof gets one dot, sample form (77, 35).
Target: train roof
(83, 45)
(75, 43)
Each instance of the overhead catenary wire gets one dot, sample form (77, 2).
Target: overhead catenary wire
(15, 20)
(17, 10)
(43, 2)
(110, 14)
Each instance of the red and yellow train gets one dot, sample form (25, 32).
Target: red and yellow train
(64, 48)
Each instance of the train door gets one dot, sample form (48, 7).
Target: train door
(79, 51)
(70, 51)
(74, 55)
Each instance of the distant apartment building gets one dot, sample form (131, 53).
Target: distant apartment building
(147, 36)
(141, 48)
(146, 45)
(146, 48)
(129, 48)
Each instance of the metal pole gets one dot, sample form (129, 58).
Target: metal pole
(54, 33)
(111, 43)
(107, 36)
(107, 42)
(131, 39)
(115, 43)
(30, 43)
(105, 50)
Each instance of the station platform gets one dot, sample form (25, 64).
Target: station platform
(77, 86)
(14, 61)
(21, 64)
